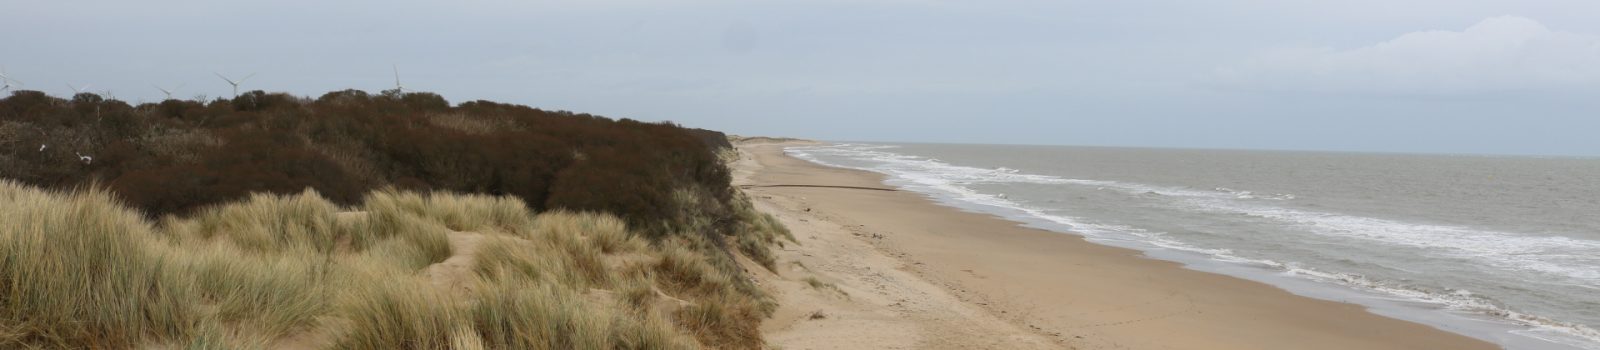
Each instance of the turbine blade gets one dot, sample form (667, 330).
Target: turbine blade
(7, 78)
(247, 77)
(230, 81)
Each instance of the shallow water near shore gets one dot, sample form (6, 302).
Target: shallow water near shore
(1505, 249)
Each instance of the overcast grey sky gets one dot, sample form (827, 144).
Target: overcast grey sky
(1453, 76)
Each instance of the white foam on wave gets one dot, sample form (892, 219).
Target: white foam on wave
(1554, 256)
(1575, 260)
(1569, 259)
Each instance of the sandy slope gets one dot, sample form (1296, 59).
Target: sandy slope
(919, 275)
(877, 304)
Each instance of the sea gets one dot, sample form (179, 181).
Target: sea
(1500, 248)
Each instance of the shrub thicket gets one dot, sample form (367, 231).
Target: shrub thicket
(177, 156)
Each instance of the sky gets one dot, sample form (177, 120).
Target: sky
(1424, 76)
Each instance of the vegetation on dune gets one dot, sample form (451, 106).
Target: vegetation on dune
(178, 156)
(392, 221)
(81, 270)
(69, 260)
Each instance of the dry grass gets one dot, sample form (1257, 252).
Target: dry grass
(272, 294)
(817, 284)
(467, 123)
(757, 232)
(399, 313)
(79, 270)
(271, 223)
(524, 314)
(176, 144)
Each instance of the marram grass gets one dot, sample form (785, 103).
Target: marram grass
(79, 270)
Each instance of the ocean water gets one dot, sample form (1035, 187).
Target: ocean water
(1505, 249)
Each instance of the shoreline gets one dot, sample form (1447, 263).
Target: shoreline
(1061, 288)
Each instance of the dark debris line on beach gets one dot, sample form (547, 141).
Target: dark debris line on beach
(824, 186)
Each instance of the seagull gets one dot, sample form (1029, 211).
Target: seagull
(84, 158)
(42, 147)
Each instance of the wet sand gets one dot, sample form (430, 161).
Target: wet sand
(910, 273)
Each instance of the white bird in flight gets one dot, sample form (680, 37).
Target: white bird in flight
(84, 158)
(42, 147)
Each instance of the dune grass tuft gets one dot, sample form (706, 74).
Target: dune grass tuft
(758, 232)
(272, 293)
(524, 314)
(408, 217)
(79, 270)
(817, 284)
(268, 222)
(400, 314)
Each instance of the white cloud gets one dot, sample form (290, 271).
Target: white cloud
(1506, 53)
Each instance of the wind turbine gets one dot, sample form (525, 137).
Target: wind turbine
(401, 89)
(168, 92)
(234, 83)
(6, 80)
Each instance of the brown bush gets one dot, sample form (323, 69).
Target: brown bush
(176, 156)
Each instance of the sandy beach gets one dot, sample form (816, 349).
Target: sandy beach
(879, 269)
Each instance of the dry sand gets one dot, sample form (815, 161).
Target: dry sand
(907, 273)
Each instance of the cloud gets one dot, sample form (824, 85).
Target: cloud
(1498, 54)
